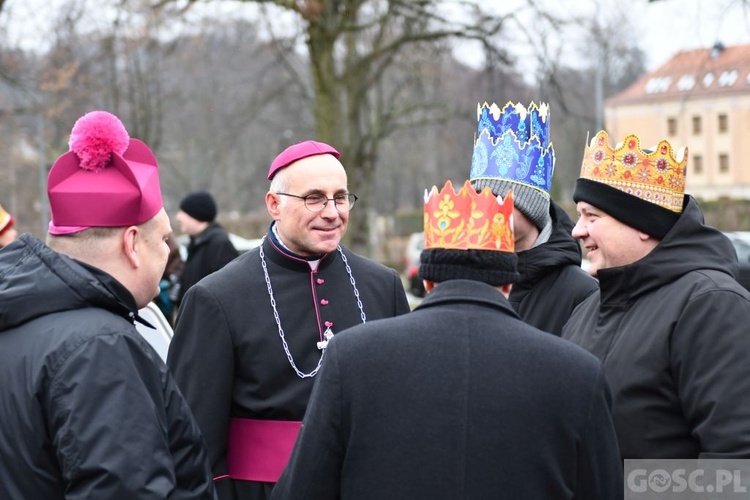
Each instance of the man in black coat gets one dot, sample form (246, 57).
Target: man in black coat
(210, 248)
(251, 337)
(670, 321)
(513, 151)
(89, 410)
(460, 398)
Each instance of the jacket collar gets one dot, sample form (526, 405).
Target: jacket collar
(560, 250)
(454, 291)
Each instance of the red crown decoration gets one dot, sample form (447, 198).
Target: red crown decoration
(467, 219)
(657, 176)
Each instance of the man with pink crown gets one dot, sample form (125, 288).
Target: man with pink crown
(670, 320)
(513, 151)
(459, 399)
(89, 410)
(251, 337)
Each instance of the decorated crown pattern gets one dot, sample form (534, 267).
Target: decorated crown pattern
(656, 175)
(467, 219)
(513, 144)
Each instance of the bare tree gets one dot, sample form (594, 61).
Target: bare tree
(352, 45)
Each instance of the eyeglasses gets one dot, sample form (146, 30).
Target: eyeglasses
(316, 202)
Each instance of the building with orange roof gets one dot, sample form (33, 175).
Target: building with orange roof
(699, 99)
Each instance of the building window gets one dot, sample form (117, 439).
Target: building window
(672, 126)
(723, 123)
(696, 125)
(698, 164)
(728, 78)
(686, 82)
(723, 163)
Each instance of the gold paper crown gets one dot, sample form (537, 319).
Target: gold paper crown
(657, 176)
(467, 219)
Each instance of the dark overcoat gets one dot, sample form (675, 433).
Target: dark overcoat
(458, 400)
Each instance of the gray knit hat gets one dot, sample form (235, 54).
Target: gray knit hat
(512, 150)
(532, 202)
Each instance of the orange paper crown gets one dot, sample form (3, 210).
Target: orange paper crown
(467, 219)
(657, 177)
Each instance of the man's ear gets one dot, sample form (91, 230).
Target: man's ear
(428, 285)
(272, 204)
(131, 239)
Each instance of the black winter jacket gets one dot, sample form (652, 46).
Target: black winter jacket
(207, 252)
(88, 409)
(552, 282)
(672, 332)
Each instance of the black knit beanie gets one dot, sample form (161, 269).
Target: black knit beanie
(488, 266)
(199, 205)
(631, 210)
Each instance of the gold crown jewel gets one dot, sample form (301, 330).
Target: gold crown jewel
(654, 175)
(467, 219)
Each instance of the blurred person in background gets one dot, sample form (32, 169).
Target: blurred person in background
(512, 151)
(251, 337)
(170, 281)
(8, 231)
(459, 399)
(89, 410)
(209, 248)
(670, 320)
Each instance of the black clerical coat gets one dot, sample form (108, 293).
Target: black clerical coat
(227, 354)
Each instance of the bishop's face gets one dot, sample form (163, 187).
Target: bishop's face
(305, 232)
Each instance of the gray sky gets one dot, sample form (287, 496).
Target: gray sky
(663, 27)
(660, 28)
(673, 25)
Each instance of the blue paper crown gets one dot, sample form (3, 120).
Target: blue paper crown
(513, 144)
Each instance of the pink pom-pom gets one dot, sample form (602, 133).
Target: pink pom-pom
(95, 136)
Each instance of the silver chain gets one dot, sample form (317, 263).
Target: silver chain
(300, 373)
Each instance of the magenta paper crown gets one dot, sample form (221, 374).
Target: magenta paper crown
(106, 179)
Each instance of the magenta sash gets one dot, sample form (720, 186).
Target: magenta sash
(258, 450)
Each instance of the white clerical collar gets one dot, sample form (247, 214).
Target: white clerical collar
(313, 263)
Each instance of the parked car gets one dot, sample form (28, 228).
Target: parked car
(741, 241)
(414, 248)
